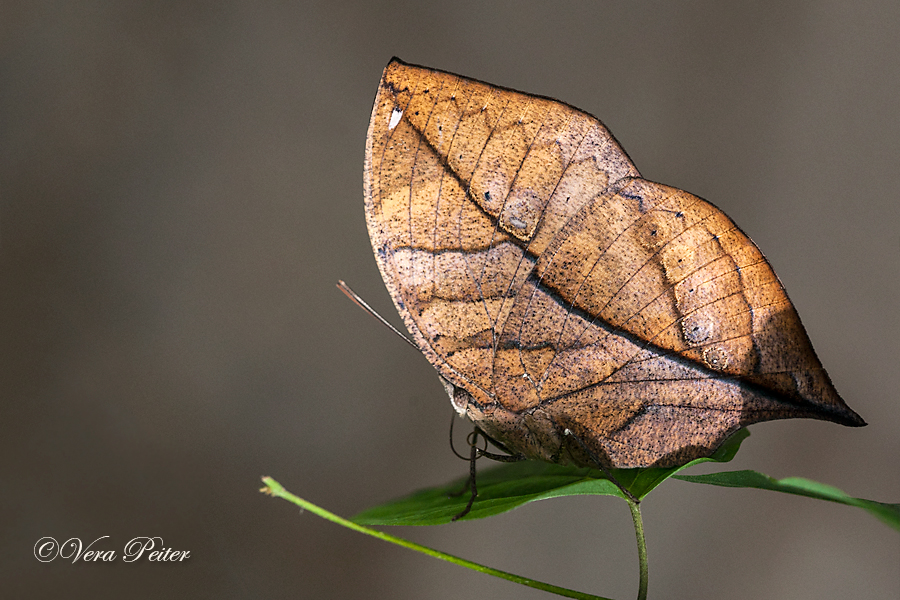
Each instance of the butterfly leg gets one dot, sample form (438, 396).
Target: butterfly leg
(470, 484)
(474, 454)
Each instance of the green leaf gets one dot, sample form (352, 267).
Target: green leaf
(888, 513)
(641, 482)
(499, 489)
(511, 485)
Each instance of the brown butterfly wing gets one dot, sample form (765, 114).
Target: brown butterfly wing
(555, 289)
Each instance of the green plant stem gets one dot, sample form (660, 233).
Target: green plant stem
(273, 488)
(642, 546)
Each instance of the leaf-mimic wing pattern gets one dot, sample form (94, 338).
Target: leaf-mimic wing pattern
(553, 288)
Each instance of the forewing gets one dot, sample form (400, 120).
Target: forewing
(466, 185)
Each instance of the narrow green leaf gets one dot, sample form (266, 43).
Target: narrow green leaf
(273, 488)
(508, 486)
(888, 513)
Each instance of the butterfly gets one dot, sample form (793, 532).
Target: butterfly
(560, 295)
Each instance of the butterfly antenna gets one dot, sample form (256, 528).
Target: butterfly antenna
(363, 305)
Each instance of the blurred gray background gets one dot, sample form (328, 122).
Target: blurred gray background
(181, 187)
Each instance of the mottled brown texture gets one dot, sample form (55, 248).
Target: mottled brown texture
(555, 289)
